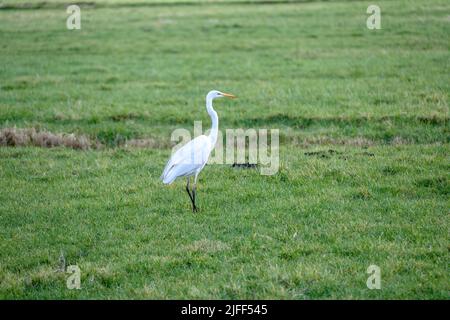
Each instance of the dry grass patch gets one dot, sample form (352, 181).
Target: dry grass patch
(19, 137)
(14, 137)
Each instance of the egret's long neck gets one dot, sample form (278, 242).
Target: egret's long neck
(214, 119)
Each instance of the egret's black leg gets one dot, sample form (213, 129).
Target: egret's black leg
(194, 208)
(187, 189)
(194, 191)
(191, 196)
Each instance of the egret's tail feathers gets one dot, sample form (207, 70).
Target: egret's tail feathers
(168, 178)
(166, 173)
(167, 181)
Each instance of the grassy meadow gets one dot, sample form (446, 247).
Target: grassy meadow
(364, 150)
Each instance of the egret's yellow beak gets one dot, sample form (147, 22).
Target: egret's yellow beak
(229, 95)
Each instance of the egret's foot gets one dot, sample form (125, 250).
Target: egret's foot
(194, 209)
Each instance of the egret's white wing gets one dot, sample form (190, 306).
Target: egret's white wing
(188, 159)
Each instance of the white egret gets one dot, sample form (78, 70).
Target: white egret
(190, 159)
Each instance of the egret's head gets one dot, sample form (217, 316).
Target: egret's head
(217, 94)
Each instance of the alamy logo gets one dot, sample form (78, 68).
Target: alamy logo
(73, 22)
(374, 20)
(237, 150)
(374, 281)
(74, 280)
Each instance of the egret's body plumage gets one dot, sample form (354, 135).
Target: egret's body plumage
(190, 159)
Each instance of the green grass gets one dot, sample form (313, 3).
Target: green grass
(378, 99)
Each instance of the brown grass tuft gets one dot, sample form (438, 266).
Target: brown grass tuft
(14, 137)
